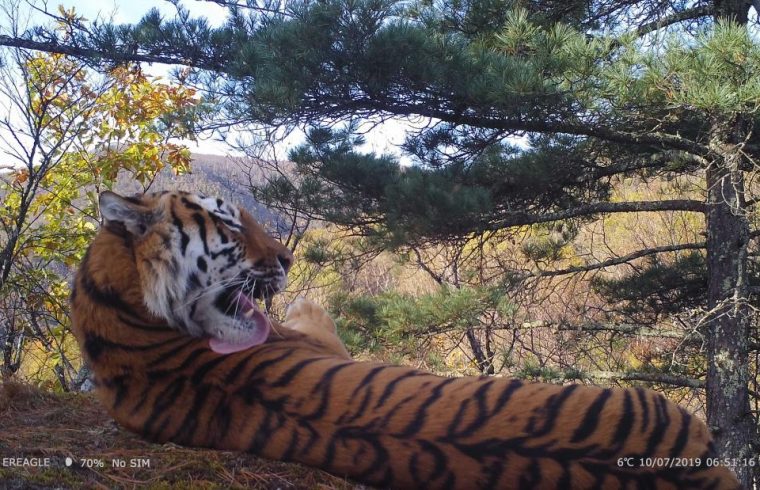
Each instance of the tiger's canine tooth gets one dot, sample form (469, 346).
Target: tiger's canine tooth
(249, 313)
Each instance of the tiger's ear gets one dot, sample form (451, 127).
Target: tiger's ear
(134, 216)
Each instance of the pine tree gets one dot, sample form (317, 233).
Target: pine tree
(602, 89)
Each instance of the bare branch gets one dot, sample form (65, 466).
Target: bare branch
(688, 14)
(622, 260)
(621, 328)
(663, 378)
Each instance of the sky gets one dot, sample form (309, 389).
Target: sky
(383, 138)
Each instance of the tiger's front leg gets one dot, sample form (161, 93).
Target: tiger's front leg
(310, 319)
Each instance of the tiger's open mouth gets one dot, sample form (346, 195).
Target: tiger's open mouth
(254, 325)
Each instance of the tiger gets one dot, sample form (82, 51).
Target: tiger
(167, 310)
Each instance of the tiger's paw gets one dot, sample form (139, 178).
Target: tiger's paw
(312, 320)
(304, 314)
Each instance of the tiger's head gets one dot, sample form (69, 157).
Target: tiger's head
(202, 264)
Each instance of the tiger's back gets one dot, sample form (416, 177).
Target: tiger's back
(296, 398)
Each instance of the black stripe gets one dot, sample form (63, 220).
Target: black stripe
(391, 387)
(626, 421)
(106, 297)
(531, 479)
(325, 388)
(642, 394)
(505, 395)
(377, 471)
(683, 434)
(416, 424)
(189, 359)
(95, 345)
(565, 482)
(221, 419)
(166, 399)
(201, 372)
(184, 237)
(132, 199)
(225, 251)
(239, 368)
(148, 327)
(189, 425)
(292, 445)
(120, 384)
(380, 424)
(291, 373)
(662, 421)
(201, 230)
(365, 382)
(452, 430)
(229, 223)
(549, 412)
(592, 417)
(481, 398)
(314, 437)
(191, 205)
(168, 355)
(272, 422)
(365, 385)
(143, 398)
(173, 266)
(222, 234)
(440, 463)
(492, 473)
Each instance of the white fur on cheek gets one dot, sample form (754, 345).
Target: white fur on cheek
(184, 294)
(166, 289)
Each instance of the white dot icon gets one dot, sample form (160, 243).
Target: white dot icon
(69, 461)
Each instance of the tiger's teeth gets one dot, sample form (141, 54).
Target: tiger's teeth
(249, 313)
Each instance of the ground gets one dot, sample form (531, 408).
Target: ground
(38, 424)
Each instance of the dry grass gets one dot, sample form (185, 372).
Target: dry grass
(38, 424)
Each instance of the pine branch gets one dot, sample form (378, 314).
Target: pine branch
(499, 122)
(91, 54)
(367, 103)
(518, 218)
(247, 5)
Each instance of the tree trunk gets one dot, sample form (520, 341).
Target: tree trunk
(728, 318)
(728, 411)
(485, 364)
(734, 10)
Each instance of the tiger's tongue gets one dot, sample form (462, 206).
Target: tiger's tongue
(258, 334)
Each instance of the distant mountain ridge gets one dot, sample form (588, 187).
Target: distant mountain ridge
(221, 176)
